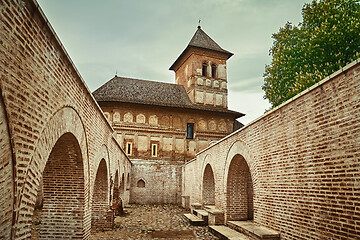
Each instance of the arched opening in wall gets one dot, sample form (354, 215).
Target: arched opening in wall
(62, 210)
(239, 190)
(204, 69)
(99, 200)
(140, 184)
(122, 187)
(208, 190)
(213, 71)
(6, 176)
(116, 193)
(116, 201)
(128, 182)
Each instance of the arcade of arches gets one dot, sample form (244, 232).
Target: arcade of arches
(294, 170)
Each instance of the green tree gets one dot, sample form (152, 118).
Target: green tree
(326, 40)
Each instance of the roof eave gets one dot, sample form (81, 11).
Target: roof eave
(192, 107)
(172, 67)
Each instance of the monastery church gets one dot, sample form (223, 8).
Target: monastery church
(161, 126)
(69, 157)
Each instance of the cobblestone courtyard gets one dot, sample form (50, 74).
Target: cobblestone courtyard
(154, 222)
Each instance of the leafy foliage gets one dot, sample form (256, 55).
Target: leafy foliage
(326, 40)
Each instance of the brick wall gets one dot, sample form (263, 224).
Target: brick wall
(63, 190)
(100, 204)
(303, 159)
(162, 182)
(166, 127)
(44, 98)
(208, 186)
(6, 182)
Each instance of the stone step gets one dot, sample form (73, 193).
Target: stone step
(194, 220)
(195, 206)
(209, 207)
(249, 228)
(224, 232)
(204, 215)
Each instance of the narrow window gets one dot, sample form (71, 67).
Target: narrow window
(204, 68)
(154, 149)
(140, 183)
(190, 131)
(128, 148)
(213, 71)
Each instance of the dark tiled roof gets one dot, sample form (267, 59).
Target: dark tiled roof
(202, 40)
(142, 91)
(130, 90)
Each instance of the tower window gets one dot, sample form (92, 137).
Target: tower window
(213, 71)
(190, 131)
(204, 68)
(154, 150)
(128, 148)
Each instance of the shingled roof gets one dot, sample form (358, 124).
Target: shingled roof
(130, 90)
(142, 91)
(202, 40)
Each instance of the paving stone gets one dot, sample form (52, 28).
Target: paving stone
(148, 221)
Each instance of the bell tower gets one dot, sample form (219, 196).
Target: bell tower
(201, 68)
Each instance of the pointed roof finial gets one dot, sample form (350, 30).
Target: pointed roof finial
(199, 23)
(116, 73)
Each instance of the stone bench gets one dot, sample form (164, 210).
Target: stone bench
(215, 216)
(255, 231)
(224, 232)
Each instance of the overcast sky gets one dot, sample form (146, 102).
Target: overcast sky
(142, 38)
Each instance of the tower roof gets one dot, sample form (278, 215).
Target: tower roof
(202, 40)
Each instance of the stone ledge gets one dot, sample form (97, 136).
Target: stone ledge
(224, 232)
(260, 232)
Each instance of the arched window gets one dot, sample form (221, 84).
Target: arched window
(140, 184)
(213, 70)
(204, 68)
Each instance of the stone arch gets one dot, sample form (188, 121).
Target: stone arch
(239, 147)
(153, 120)
(202, 125)
(116, 193)
(140, 183)
(239, 172)
(140, 118)
(55, 128)
(100, 196)
(6, 176)
(128, 117)
(63, 191)
(116, 117)
(239, 190)
(122, 186)
(239, 183)
(128, 181)
(208, 186)
(177, 123)
(222, 125)
(165, 121)
(212, 125)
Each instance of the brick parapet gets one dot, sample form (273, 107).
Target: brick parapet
(303, 158)
(38, 81)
